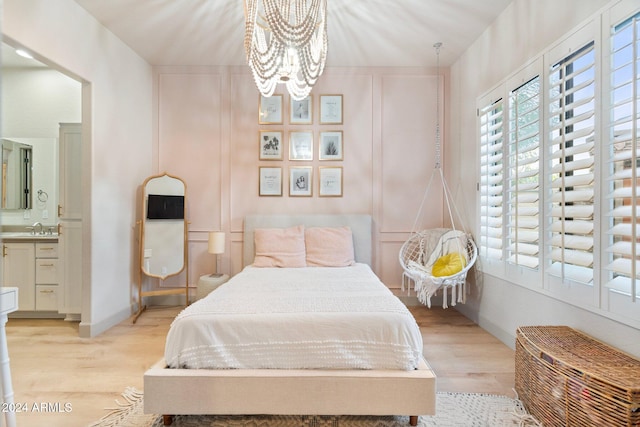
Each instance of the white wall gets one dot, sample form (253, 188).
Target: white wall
(117, 140)
(522, 31)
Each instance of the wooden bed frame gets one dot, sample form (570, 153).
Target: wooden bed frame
(293, 392)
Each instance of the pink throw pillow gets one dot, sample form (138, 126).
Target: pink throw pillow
(279, 247)
(329, 247)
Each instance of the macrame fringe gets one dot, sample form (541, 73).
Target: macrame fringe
(524, 418)
(426, 287)
(118, 415)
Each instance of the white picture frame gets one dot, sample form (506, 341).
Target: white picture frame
(330, 145)
(330, 181)
(331, 109)
(270, 144)
(301, 145)
(270, 181)
(301, 112)
(301, 181)
(270, 110)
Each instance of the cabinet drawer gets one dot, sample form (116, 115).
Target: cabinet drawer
(46, 250)
(8, 300)
(46, 298)
(47, 271)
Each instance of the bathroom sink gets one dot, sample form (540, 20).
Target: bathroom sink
(26, 235)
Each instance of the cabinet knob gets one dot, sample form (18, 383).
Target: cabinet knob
(59, 210)
(59, 229)
(4, 251)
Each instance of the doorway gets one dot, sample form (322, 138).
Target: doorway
(36, 99)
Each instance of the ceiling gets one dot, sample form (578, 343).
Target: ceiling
(365, 33)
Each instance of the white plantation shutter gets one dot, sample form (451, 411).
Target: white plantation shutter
(623, 266)
(571, 141)
(523, 175)
(559, 187)
(491, 180)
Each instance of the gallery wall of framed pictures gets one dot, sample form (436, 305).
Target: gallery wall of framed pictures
(301, 143)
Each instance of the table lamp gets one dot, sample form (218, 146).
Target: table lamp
(216, 247)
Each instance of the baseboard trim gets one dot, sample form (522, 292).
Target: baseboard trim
(509, 339)
(90, 330)
(36, 315)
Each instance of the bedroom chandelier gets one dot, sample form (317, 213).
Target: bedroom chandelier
(286, 42)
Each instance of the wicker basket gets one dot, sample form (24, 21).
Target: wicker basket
(566, 378)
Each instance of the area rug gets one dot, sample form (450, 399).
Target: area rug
(452, 410)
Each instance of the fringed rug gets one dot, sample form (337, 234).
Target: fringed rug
(452, 410)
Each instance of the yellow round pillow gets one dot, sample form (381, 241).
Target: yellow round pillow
(448, 265)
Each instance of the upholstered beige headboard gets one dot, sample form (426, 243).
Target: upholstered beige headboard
(360, 227)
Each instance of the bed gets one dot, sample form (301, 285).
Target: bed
(183, 383)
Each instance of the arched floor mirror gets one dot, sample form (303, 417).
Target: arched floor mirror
(163, 235)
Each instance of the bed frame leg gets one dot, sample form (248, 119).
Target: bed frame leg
(167, 420)
(413, 420)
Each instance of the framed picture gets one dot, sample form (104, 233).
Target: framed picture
(330, 181)
(270, 110)
(301, 112)
(270, 145)
(330, 145)
(270, 181)
(301, 145)
(330, 109)
(300, 181)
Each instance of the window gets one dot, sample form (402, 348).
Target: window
(491, 180)
(523, 177)
(623, 192)
(559, 195)
(571, 150)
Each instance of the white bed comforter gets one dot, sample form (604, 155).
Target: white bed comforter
(297, 318)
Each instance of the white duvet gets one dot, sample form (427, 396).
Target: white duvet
(297, 318)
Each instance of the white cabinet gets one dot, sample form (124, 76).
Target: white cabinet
(47, 278)
(33, 269)
(46, 271)
(70, 184)
(70, 219)
(70, 239)
(18, 271)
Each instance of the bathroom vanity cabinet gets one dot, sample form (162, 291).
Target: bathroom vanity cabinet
(18, 270)
(33, 267)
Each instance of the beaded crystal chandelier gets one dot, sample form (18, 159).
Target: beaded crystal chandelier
(286, 42)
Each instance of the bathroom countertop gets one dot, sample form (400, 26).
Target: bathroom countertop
(25, 236)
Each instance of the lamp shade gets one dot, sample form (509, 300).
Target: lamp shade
(216, 242)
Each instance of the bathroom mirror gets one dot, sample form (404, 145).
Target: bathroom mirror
(16, 175)
(163, 235)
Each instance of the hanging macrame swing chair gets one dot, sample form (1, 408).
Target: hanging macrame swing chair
(438, 259)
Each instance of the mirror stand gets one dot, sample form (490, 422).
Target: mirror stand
(163, 228)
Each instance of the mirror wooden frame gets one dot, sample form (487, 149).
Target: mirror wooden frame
(161, 232)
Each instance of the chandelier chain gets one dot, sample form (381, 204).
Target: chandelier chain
(437, 47)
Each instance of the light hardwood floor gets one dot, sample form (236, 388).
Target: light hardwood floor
(51, 365)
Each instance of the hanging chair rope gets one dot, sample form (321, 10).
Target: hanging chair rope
(428, 250)
(438, 159)
(437, 46)
(448, 197)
